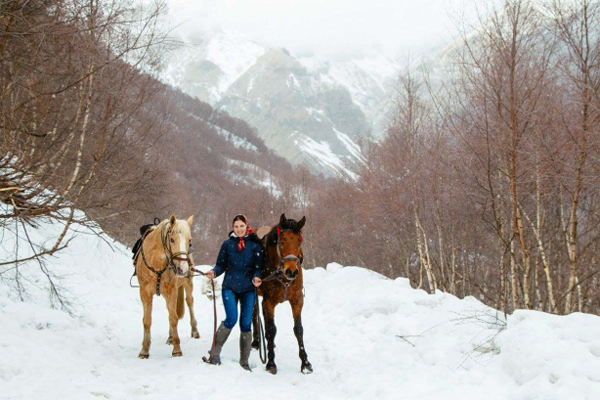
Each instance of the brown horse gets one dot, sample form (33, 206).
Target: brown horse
(163, 267)
(282, 281)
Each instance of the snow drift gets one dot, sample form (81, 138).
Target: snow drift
(367, 337)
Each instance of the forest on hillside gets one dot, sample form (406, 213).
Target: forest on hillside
(485, 183)
(87, 126)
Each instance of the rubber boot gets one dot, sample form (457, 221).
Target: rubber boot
(245, 348)
(222, 335)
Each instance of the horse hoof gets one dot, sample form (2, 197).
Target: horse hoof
(177, 354)
(195, 335)
(272, 369)
(255, 345)
(246, 367)
(143, 356)
(306, 369)
(214, 360)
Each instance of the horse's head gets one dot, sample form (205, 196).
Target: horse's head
(289, 242)
(177, 240)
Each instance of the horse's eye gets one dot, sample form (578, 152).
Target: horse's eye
(172, 240)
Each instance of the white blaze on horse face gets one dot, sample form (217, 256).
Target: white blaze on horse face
(182, 248)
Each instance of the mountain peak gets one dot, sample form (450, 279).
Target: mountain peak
(298, 105)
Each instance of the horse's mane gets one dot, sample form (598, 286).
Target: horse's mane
(180, 226)
(289, 224)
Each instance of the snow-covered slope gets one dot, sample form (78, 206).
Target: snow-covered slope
(366, 336)
(208, 69)
(287, 98)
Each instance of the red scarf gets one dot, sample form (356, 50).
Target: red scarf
(241, 243)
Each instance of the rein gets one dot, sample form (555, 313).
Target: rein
(214, 341)
(281, 278)
(262, 343)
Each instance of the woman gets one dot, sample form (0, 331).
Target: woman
(240, 258)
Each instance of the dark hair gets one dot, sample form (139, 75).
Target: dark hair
(240, 217)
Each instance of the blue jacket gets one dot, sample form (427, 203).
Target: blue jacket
(240, 267)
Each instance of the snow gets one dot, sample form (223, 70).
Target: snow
(363, 77)
(367, 337)
(379, 68)
(292, 83)
(235, 140)
(316, 114)
(254, 176)
(322, 153)
(230, 51)
(350, 145)
(234, 55)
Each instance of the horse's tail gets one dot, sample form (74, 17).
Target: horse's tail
(180, 304)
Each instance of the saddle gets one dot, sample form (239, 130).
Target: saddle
(263, 231)
(144, 231)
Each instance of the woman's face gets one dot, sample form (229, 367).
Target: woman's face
(239, 228)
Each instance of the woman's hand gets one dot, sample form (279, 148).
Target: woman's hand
(210, 274)
(257, 281)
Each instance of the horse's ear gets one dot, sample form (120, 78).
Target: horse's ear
(282, 219)
(172, 220)
(301, 223)
(190, 220)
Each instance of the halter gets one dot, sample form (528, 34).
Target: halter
(170, 256)
(279, 273)
(289, 257)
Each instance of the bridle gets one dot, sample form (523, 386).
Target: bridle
(164, 235)
(170, 256)
(289, 257)
(279, 273)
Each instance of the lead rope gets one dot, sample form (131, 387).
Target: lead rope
(214, 341)
(262, 343)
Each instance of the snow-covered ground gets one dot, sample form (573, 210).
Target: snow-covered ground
(366, 336)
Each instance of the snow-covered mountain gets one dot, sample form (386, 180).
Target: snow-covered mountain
(366, 336)
(308, 110)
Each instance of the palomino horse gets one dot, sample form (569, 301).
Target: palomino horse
(282, 281)
(164, 268)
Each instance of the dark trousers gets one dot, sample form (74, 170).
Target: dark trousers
(230, 302)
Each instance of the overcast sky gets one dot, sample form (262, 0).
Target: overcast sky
(329, 28)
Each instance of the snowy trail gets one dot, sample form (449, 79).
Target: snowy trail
(352, 319)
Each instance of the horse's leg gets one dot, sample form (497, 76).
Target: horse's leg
(189, 298)
(147, 299)
(255, 328)
(173, 320)
(271, 331)
(306, 367)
